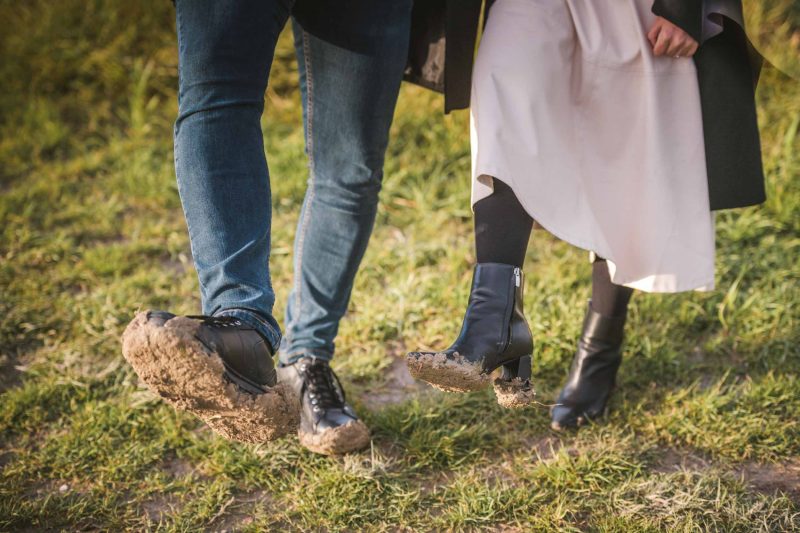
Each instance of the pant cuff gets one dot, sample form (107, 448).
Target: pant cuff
(291, 357)
(268, 328)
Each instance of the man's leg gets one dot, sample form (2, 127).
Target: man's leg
(226, 49)
(225, 52)
(350, 80)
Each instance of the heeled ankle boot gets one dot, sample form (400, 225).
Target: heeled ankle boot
(494, 334)
(593, 372)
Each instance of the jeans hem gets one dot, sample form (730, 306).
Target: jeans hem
(271, 332)
(289, 358)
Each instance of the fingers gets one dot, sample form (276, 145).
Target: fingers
(691, 48)
(675, 47)
(652, 35)
(663, 42)
(683, 46)
(668, 39)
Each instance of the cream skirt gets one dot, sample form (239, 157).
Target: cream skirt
(601, 141)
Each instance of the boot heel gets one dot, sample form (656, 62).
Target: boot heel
(513, 388)
(521, 368)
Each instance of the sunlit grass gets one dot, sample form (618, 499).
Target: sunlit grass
(91, 230)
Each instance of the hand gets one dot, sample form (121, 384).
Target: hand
(668, 39)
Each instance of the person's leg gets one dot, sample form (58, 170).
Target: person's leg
(502, 227)
(599, 353)
(225, 51)
(349, 91)
(608, 299)
(494, 332)
(351, 63)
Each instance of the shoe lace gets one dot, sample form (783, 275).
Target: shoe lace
(323, 387)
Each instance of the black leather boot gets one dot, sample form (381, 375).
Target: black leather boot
(217, 368)
(494, 334)
(594, 370)
(328, 425)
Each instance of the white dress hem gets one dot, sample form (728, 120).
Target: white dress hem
(701, 284)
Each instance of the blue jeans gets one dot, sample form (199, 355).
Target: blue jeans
(350, 67)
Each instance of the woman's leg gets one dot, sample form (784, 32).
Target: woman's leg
(502, 227)
(608, 299)
(494, 332)
(599, 353)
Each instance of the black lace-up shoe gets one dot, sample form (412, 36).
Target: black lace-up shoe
(328, 425)
(217, 368)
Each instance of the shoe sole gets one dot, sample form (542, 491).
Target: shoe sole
(452, 373)
(174, 364)
(351, 437)
(579, 422)
(568, 427)
(514, 394)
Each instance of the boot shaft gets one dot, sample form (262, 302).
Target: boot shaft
(602, 329)
(494, 328)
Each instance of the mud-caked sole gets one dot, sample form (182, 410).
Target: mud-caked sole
(514, 394)
(174, 364)
(453, 373)
(351, 437)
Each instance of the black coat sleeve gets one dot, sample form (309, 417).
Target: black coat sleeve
(442, 47)
(727, 74)
(727, 70)
(426, 50)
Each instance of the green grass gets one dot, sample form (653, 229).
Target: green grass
(704, 430)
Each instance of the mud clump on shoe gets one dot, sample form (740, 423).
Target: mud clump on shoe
(174, 364)
(351, 437)
(449, 373)
(514, 394)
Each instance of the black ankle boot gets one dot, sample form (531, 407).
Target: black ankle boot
(594, 370)
(494, 333)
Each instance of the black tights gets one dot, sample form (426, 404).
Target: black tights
(502, 227)
(502, 231)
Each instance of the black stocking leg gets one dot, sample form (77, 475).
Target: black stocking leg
(502, 227)
(608, 299)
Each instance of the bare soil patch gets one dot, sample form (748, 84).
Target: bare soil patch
(398, 386)
(239, 512)
(160, 508)
(767, 478)
(770, 478)
(674, 460)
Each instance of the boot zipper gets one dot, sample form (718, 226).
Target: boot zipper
(517, 283)
(505, 340)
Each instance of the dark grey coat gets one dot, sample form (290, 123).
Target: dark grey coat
(443, 39)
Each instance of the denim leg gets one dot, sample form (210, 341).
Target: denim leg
(349, 97)
(225, 52)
